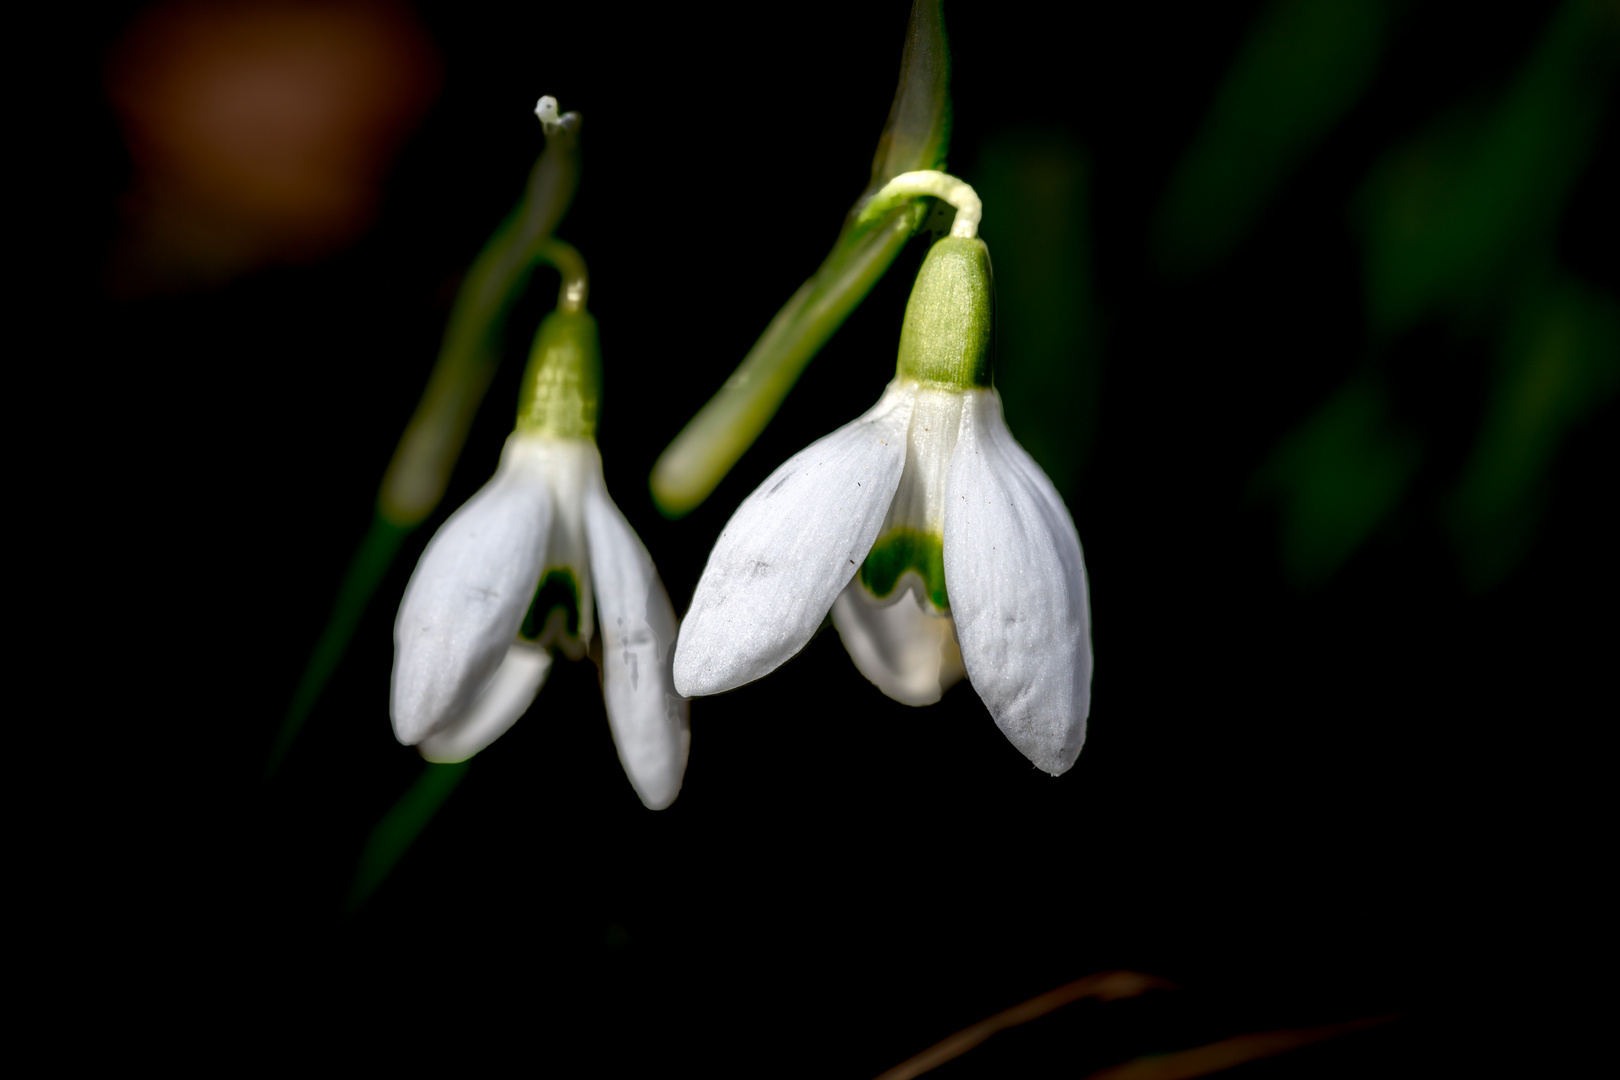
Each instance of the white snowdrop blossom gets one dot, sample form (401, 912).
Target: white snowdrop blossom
(540, 559)
(938, 544)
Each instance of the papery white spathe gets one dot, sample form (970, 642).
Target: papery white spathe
(936, 456)
(463, 676)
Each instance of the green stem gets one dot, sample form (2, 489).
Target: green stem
(366, 571)
(400, 828)
(576, 281)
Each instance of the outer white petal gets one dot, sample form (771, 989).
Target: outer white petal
(467, 597)
(1017, 584)
(909, 654)
(789, 550)
(502, 702)
(637, 622)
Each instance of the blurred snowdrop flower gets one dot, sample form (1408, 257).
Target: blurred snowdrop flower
(540, 560)
(938, 544)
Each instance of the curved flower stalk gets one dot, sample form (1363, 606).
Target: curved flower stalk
(939, 546)
(541, 560)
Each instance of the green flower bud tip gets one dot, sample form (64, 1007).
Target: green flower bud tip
(946, 336)
(562, 387)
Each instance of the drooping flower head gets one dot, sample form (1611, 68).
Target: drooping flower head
(539, 561)
(936, 542)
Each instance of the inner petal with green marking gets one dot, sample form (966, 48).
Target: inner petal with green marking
(913, 536)
(553, 617)
(902, 550)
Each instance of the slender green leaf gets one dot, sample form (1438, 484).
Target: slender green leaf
(1048, 363)
(400, 827)
(365, 572)
(1338, 477)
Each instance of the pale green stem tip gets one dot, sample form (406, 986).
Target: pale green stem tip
(570, 264)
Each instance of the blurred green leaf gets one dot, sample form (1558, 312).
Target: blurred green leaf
(1338, 476)
(1047, 361)
(400, 827)
(1558, 362)
(365, 572)
(1302, 68)
(915, 137)
(1449, 221)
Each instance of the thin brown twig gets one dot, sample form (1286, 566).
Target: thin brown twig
(1228, 1053)
(1107, 986)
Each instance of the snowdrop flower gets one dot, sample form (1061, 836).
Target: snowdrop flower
(938, 544)
(540, 559)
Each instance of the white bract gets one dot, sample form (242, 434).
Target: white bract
(938, 544)
(541, 559)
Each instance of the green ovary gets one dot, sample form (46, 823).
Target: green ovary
(558, 589)
(902, 550)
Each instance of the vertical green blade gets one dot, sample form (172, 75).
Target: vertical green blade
(400, 827)
(366, 571)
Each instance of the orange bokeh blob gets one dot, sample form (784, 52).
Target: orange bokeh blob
(260, 131)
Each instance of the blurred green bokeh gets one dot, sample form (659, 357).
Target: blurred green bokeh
(1303, 66)
(400, 827)
(1557, 362)
(1459, 228)
(1449, 220)
(1047, 356)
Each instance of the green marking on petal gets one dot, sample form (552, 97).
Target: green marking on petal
(559, 590)
(902, 550)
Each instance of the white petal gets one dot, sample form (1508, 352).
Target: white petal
(1017, 586)
(572, 467)
(648, 718)
(501, 703)
(908, 653)
(919, 501)
(467, 597)
(789, 550)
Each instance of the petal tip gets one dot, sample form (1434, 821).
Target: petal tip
(437, 757)
(1058, 764)
(658, 800)
(698, 672)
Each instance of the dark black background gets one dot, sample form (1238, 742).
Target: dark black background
(1304, 806)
